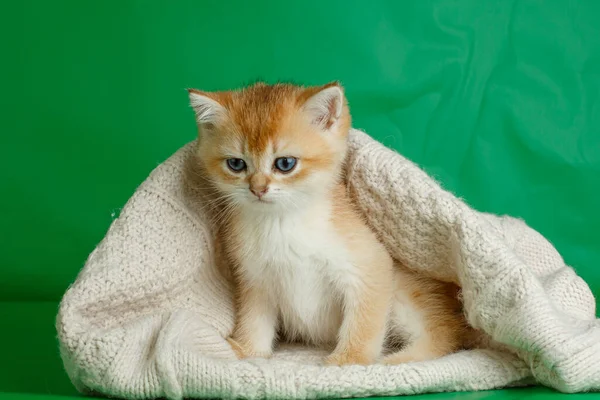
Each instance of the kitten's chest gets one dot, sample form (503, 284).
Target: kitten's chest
(287, 244)
(296, 265)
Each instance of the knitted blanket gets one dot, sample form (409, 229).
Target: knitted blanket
(148, 315)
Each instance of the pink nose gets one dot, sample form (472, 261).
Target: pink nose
(259, 192)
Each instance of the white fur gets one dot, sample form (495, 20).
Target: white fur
(406, 320)
(318, 106)
(303, 266)
(207, 110)
(264, 327)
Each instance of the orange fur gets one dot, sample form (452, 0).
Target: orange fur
(306, 231)
(446, 330)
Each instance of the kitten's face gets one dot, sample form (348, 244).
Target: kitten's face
(274, 148)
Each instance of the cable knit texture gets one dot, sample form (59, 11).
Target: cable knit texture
(148, 314)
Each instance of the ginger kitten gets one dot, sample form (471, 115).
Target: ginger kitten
(303, 261)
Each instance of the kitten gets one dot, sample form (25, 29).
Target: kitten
(303, 260)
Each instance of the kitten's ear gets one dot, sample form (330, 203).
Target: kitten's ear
(206, 106)
(325, 104)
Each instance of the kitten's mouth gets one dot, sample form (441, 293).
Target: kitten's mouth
(263, 201)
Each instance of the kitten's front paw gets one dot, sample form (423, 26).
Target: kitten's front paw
(348, 358)
(244, 352)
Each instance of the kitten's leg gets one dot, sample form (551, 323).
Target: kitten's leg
(256, 322)
(432, 329)
(366, 309)
(434, 341)
(426, 347)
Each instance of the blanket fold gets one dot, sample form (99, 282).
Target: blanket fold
(148, 313)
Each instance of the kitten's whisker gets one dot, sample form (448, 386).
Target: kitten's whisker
(225, 212)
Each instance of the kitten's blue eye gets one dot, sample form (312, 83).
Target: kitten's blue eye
(236, 164)
(285, 164)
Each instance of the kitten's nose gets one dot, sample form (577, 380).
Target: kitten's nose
(259, 192)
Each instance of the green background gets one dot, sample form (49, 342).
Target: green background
(498, 100)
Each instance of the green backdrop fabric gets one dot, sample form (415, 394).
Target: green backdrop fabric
(498, 100)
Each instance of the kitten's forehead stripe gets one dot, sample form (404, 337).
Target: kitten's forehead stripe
(259, 111)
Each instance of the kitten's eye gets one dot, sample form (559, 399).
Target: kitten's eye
(285, 164)
(236, 164)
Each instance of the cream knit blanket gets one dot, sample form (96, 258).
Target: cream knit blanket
(148, 314)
